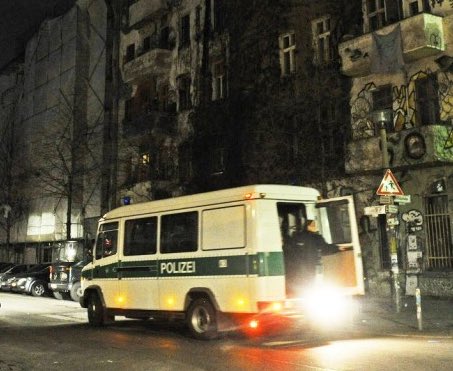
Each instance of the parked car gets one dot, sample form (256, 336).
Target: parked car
(65, 280)
(70, 257)
(12, 272)
(33, 282)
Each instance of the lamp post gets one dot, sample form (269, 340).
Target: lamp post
(382, 118)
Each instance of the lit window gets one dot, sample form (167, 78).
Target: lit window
(287, 43)
(321, 40)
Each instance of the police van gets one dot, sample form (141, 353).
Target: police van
(221, 260)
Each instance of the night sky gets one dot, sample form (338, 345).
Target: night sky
(20, 19)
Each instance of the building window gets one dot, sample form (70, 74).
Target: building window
(383, 12)
(438, 231)
(163, 98)
(321, 40)
(218, 81)
(185, 101)
(219, 15)
(376, 14)
(383, 101)
(332, 136)
(427, 101)
(146, 44)
(185, 162)
(414, 7)
(184, 31)
(130, 53)
(287, 43)
(198, 19)
(164, 38)
(218, 161)
(143, 167)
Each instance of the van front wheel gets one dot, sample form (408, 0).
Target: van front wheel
(96, 311)
(201, 320)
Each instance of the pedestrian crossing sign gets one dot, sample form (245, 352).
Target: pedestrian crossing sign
(389, 186)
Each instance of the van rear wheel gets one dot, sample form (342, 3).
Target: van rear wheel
(201, 320)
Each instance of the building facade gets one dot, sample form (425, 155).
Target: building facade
(400, 68)
(212, 99)
(56, 120)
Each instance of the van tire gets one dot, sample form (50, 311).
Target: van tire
(202, 319)
(76, 291)
(96, 311)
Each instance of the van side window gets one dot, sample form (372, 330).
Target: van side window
(141, 236)
(223, 228)
(179, 232)
(107, 240)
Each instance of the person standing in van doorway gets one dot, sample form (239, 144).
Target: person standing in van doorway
(308, 247)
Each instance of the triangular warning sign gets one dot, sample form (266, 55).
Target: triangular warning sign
(389, 186)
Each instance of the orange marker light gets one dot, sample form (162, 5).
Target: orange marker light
(253, 323)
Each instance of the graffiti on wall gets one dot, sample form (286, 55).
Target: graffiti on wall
(399, 107)
(405, 104)
(413, 219)
(362, 126)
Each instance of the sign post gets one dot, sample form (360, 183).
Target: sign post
(389, 187)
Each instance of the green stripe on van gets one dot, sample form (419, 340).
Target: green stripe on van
(262, 264)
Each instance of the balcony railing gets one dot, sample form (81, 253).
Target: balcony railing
(425, 145)
(145, 9)
(421, 36)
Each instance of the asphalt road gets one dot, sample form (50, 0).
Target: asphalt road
(47, 334)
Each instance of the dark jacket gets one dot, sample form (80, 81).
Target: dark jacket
(303, 255)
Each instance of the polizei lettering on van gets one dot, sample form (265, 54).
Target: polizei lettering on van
(177, 267)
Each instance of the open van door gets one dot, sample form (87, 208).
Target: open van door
(338, 226)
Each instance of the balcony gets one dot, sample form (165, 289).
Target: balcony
(421, 35)
(155, 123)
(425, 145)
(144, 9)
(154, 62)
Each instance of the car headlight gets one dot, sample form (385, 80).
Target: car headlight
(10, 279)
(21, 281)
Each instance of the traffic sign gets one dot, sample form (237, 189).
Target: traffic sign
(375, 210)
(389, 186)
(403, 199)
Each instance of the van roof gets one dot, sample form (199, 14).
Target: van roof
(268, 191)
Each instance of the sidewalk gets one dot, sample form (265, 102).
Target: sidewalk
(378, 316)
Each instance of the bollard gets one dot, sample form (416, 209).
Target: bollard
(418, 302)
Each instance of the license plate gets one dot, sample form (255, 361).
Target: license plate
(53, 285)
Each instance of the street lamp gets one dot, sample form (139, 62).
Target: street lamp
(383, 119)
